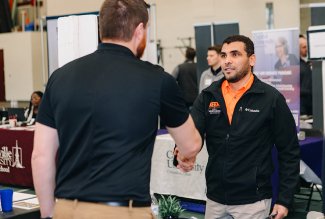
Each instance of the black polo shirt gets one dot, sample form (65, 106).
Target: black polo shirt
(105, 107)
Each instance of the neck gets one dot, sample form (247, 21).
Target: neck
(241, 83)
(130, 44)
(304, 58)
(215, 67)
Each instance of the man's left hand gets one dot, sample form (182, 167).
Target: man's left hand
(280, 211)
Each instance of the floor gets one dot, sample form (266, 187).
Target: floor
(300, 204)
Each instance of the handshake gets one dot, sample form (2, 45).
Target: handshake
(183, 163)
(188, 144)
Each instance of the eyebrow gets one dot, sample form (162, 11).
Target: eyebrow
(235, 51)
(232, 51)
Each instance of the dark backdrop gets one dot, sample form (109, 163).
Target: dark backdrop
(5, 17)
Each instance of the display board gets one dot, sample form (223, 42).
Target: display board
(316, 42)
(68, 46)
(52, 40)
(277, 63)
(77, 37)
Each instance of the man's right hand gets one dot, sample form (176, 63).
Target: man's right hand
(184, 164)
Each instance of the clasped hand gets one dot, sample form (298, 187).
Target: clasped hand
(185, 164)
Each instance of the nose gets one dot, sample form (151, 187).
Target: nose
(227, 60)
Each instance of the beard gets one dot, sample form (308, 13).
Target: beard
(141, 47)
(238, 76)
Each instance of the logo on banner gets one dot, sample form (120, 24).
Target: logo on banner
(11, 158)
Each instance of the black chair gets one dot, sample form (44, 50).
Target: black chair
(4, 114)
(310, 187)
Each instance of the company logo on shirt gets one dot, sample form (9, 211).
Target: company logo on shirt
(214, 104)
(10, 158)
(252, 110)
(214, 108)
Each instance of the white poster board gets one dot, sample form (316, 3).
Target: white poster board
(167, 179)
(77, 37)
(52, 40)
(69, 46)
(316, 42)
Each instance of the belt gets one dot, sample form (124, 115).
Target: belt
(130, 203)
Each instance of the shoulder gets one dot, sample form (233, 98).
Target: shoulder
(264, 87)
(205, 72)
(154, 70)
(150, 65)
(260, 84)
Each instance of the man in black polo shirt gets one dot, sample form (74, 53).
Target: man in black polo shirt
(99, 115)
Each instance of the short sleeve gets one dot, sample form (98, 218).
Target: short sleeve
(173, 110)
(45, 114)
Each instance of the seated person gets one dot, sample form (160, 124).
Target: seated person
(31, 112)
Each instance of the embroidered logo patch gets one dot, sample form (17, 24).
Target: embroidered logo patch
(214, 108)
(252, 110)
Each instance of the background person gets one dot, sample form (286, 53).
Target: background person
(186, 77)
(32, 110)
(306, 95)
(97, 124)
(241, 119)
(282, 52)
(213, 73)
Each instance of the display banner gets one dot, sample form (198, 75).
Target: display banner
(167, 179)
(277, 63)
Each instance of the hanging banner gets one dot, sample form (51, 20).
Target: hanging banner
(277, 63)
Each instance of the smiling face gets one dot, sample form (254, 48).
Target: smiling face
(235, 62)
(35, 99)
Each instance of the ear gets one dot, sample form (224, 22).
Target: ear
(139, 31)
(252, 60)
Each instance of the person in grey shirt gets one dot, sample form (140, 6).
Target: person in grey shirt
(213, 73)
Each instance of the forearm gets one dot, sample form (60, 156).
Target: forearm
(46, 144)
(187, 138)
(44, 183)
(287, 145)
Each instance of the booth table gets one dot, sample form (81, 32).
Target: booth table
(16, 146)
(311, 153)
(18, 213)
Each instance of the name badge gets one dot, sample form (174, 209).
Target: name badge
(208, 82)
